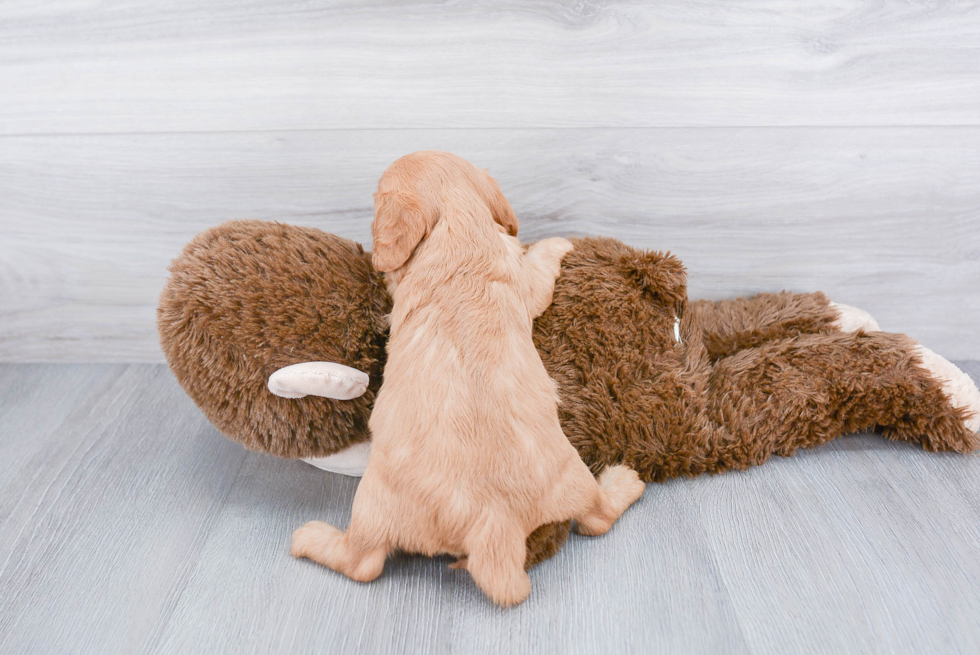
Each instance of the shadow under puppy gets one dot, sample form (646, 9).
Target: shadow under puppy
(468, 457)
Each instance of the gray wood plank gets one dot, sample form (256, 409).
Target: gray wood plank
(419, 605)
(850, 549)
(650, 585)
(27, 431)
(892, 579)
(131, 66)
(107, 508)
(883, 219)
(137, 528)
(248, 595)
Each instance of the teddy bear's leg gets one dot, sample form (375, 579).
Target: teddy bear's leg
(852, 319)
(618, 488)
(727, 326)
(804, 391)
(957, 385)
(495, 559)
(545, 542)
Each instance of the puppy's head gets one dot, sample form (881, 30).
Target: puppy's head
(411, 198)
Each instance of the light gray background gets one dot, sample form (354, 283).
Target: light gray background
(777, 145)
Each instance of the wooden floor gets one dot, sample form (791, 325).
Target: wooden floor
(128, 524)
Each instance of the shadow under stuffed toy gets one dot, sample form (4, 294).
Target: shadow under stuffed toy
(646, 378)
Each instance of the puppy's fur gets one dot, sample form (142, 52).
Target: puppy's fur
(468, 457)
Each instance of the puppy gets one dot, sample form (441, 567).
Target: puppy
(467, 454)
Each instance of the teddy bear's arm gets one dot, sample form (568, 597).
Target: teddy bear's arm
(326, 379)
(727, 326)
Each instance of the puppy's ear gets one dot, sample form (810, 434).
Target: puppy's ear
(502, 212)
(400, 223)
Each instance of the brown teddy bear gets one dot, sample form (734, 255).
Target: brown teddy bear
(646, 378)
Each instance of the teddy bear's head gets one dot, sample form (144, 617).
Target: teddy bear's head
(247, 298)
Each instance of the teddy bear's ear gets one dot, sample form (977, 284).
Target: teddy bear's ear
(400, 223)
(503, 213)
(660, 274)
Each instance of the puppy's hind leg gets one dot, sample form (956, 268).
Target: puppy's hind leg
(618, 488)
(340, 551)
(496, 561)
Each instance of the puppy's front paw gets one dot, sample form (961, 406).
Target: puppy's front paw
(959, 388)
(556, 247)
(622, 483)
(550, 252)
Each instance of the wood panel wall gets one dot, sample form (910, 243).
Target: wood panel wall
(771, 145)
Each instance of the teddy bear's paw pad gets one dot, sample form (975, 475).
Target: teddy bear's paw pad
(313, 539)
(325, 379)
(961, 391)
(622, 484)
(852, 319)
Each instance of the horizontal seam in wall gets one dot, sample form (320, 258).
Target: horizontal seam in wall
(486, 129)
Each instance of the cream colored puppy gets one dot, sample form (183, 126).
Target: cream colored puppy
(467, 455)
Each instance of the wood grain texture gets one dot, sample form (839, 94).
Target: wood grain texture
(131, 66)
(115, 482)
(884, 219)
(128, 525)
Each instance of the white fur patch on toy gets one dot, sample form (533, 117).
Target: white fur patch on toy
(957, 385)
(350, 461)
(852, 319)
(326, 379)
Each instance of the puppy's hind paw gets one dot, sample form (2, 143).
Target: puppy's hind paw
(961, 391)
(313, 539)
(622, 484)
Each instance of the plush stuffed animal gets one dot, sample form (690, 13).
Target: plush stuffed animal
(646, 378)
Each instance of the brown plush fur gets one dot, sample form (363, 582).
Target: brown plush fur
(247, 298)
(752, 378)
